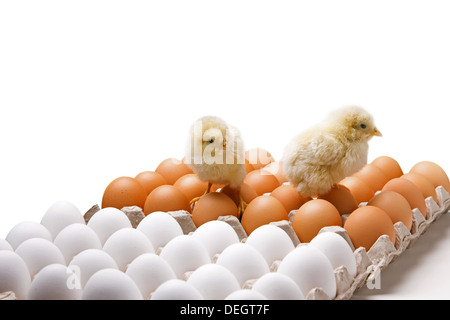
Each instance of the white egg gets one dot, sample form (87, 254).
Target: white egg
(160, 228)
(89, 261)
(244, 261)
(245, 294)
(107, 221)
(26, 230)
(14, 274)
(126, 244)
(216, 236)
(55, 282)
(271, 241)
(60, 215)
(336, 249)
(75, 238)
(4, 245)
(309, 268)
(111, 284)
(278, 286)
(213, 281)
(38, 253)
(176, 289)
(185, 253)
(149, 271)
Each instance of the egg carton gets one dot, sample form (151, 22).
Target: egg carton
(345, 283)
(383, 252)
(369, 263)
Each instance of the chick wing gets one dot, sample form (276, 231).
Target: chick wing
(324, 150)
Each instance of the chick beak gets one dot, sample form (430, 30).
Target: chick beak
(376, 132)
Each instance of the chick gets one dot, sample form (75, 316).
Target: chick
(325, 154)
(216, 154)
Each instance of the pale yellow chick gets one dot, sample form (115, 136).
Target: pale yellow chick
(216, 154)
(325, 154)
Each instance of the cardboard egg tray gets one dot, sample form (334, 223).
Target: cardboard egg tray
(383, 252)
(369, 263)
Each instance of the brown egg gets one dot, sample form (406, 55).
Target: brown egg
(150, 180)
(234, 194)
(261, 181)
(389, 165)
(247, 193)
(373, 176)
(124, 192)
(433, 172)
(341, 197)
(211, 206)
(360, 190)
(423, 183)
(276, 168)
(166, 198)
(262, 210)
(313, 216)
(191, 185)
(289, 197)
(258, 157)
(411, 193)
(172, 169)
(395, 205)
(366, 224)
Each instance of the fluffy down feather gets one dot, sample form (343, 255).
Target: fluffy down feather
(323, 155)
(216, 152)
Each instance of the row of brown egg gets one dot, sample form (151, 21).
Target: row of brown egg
(389, 196)
(270, 198)
(172, 185)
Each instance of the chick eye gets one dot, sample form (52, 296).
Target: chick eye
(211, 140)
(363, 126)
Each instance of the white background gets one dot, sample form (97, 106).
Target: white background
(93, 90)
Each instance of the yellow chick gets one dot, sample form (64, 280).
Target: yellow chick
(325, 154)
(215, 153)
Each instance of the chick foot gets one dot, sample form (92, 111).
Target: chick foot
(208, 189)
(195, 199)
(241, 208)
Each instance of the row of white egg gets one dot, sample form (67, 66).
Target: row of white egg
(63, 258)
